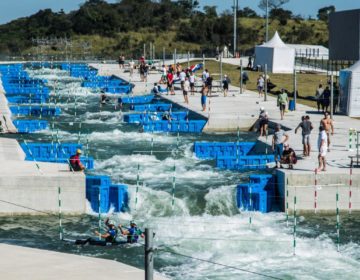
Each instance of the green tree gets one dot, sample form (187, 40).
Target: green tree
(323, 13)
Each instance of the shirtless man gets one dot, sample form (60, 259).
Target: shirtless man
(327, 124)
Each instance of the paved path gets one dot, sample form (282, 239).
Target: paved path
(22, 263)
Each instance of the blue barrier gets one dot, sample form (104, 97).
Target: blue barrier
(258, 195)
(118, 89)
(119, 197)
(50, 150)
(191, 126)
(160, 107)
(210, 150)
(244, 162)
(143, 99)
(110, 194)
(154, 116)
(30, 126)
(26, 100)
(35, 110)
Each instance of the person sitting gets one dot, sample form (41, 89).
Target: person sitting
(75, 163)
(1, 128)
(155, 89)
(109, 236)
(132, 234)
(288, 156)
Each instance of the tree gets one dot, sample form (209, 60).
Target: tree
(210, 11)
(272, 4)
(247, 12)
(323, 13)
(280, 14)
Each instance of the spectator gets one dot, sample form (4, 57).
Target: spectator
(131, 68)
(225, 83)
(328, 125)
(155, 89)
(245, 78)
(263, 122)
(186, 89)
(322, 148)
(279, 138)
(170, 83)
(205, 75)
(282, 101)
(142, 71)
(306, 127)
(121, 61)
(326, 99)
(203, 97)
(288, 156)
(250, 66)
(319, 97)
(260, 85)
(209, 81)
(182, 77)
(192, 82)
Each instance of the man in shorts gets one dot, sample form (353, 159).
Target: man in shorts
(328, 125)
(279, 138)
(306, 127)
(192, 82)
(282, 101)
(322, 147)
(186, 89)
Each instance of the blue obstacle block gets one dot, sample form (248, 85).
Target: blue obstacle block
(155, 107)
(26, 100)
(258, 195)
(142, 99)
(50, 150)
(30, 126)
(244, 162)
(94, 185)
(35, 110)
(211, 150)
(119, 197)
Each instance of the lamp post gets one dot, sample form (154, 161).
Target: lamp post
(267, 21)
(235, 19)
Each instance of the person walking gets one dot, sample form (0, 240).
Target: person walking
(282, 101)
(328, 125)
(322, 148)
(170, 83)
(192, 82)
(319, 97)
(306, 127)
(279, 138)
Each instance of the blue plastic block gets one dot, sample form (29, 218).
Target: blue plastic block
(161, 107)
(104, 198)
(244, 162)
(143, 99)
(252, 197)
(95, 181)
(30, 126)
(119, 197)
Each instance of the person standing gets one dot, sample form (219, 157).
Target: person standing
(131, 67)
(121, 61)
(245, 78)
(170, 83)
(279, 138)
(319, 97)
(186, 89)
(192, 82)
(209, 81)
(326, 99)
(260, 85)
(205, 75)
(203, 97)
(225, 83)
(328, 125)
(263, 122)
(282, 101)
(182, 77)
(306, 127)
(322, 148)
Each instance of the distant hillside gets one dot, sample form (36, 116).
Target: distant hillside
(101, 29)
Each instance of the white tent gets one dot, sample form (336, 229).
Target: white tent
(278, 57)
(349, 95)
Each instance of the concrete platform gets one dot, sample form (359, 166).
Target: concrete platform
(23, 263)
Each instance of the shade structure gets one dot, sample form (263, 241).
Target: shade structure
(278, 57)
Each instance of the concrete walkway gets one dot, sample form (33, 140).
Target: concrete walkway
(22, 263)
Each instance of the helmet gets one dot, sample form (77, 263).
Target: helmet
(132, 223)
(78, 151)
(262, 108)
(111, 222)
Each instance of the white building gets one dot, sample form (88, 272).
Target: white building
(310, 51)
(278, 57)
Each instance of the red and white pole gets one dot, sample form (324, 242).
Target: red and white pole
(315, 192)
(350, 191)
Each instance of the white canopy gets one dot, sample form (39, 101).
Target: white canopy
(278, 57)
(349, 95)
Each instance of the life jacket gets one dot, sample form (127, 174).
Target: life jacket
(74, 162)
(133, 235)
(112, 237)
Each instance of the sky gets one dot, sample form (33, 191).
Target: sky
(12, 9)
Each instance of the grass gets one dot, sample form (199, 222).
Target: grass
(306, 83)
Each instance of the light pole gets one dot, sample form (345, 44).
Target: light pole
(267, 21)
(235, 19)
